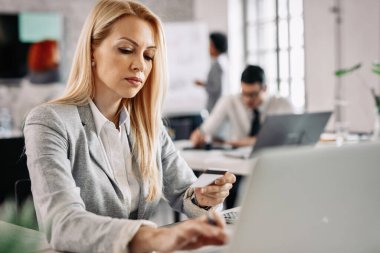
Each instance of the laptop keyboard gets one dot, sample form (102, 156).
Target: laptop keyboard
(231, 216)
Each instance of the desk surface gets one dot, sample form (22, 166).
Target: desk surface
(31, 237)
(204, 159)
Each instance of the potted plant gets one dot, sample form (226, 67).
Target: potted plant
(376, 70)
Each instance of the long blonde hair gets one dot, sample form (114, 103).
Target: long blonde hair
(145, 108)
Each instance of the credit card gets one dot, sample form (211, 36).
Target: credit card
(208, 177)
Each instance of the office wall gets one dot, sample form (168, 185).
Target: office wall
(212, 12)
(225, 16)
(360, 42)
(360, 33)
(74, 13)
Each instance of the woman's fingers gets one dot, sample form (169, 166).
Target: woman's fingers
(212, 199)
(218, 218)
(216, 193)
(228, 177)
(190, 234)
(216, 188)
(209, 201)
(199, 232)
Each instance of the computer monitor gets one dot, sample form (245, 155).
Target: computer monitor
(312, 199)
(287, 130)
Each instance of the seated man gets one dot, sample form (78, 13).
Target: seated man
(238, 117)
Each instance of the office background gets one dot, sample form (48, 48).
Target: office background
(324, 52)
(300, 44)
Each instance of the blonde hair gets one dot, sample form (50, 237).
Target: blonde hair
(145, 108)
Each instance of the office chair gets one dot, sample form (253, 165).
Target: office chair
(25, 212)
(181, 127)
(22, 192)
(13, 164)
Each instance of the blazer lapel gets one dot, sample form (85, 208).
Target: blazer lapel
(94, 146)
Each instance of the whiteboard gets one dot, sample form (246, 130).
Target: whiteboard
(188, 60)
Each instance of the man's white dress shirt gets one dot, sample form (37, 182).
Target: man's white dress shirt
(231, 120)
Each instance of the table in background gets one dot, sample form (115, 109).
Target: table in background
(199, 160)
(203, 159)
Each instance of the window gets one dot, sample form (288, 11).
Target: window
(275, 41)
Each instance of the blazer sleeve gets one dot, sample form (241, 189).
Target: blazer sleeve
(60, 210)
(177, 178)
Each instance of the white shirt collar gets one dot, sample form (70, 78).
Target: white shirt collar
(100, 119)
(264, 105)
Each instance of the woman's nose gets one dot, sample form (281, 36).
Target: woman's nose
(138, 63)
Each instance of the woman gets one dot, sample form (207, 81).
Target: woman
(99, 157)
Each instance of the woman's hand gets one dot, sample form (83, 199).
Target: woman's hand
(215, 193)
(187, 235)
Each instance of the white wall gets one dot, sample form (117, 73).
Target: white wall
(360, 43)
(225, 16)
(236, 45)
(212, 12)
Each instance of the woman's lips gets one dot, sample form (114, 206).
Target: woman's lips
(135, 81)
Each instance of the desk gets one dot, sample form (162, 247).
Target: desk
(30, 237)
(203, 159)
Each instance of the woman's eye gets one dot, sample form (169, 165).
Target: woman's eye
(125, 50)
(148, 58)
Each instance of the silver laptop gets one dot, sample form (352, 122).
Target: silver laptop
(286, 130)
(324, 199)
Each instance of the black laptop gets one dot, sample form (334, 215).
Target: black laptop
(286, 130)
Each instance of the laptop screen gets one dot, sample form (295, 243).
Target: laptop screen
(291, 129)
(309, 199)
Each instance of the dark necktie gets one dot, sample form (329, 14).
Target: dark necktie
(255, 126)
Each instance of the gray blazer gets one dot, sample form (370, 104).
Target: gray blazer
(78, 203)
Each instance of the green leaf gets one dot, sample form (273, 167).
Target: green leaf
(376, 71)
(342, 72)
